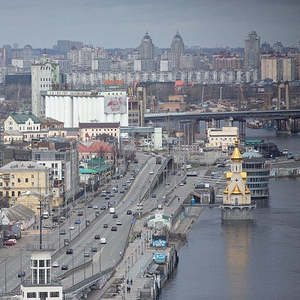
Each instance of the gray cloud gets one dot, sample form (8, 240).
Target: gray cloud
(122, 23)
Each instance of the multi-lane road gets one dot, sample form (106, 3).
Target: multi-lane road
(82, 238)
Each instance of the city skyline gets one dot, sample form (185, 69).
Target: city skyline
(114, 24)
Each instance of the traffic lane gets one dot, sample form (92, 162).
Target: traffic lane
(110, 253)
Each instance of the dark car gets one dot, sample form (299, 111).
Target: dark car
(105, 225)
(129, 212)
(64, 267)
(62, 232)
(107, 198)
(90, 206)
(122, 192)
(103, 207)
(77, 222)
(153, 195)
(97, 237)
(114, 228)
(115, 216)
(80, 213)
(94, 249)
(21, 274)
(69, 251)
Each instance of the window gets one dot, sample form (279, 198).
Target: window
(42, 263)
(32, 175)
(31, 295)
(26, 179)
(13, 193)
(19, 179)
(54, 294)
(43, 295)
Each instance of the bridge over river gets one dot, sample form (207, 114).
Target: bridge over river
(285, 120)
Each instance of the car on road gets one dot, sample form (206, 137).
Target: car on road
(107, 197)
(103, 241)
(103, 207)
(64, 267)
(119, 222)
(181, 183)
(47, 226)
(55, 264)
(151, 173)
(128, 181)
(122, 192)
(115, 216)
(62, 232)
(114, 228)
(90, 206)
(105, 225)
(97, 237)
(69, 251)
(103, 194)
(94, 249)
(87, 254)
(71, 227)
(95, 207)
(80, 213)
(124, 184)
(153, 195)
(77, 222)
(129, 212)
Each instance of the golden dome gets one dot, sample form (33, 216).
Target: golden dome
(226, 190)
(236, 154)
(247, 190)
(236, 190)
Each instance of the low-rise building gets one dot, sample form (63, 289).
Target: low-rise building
(221, 137)
(89, 131)
(22, 122)
(18, 178)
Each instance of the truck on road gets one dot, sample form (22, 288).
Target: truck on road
(112, 210)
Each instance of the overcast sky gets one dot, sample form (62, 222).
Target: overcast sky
(123, 23)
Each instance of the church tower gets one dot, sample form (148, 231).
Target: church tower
(236, 196)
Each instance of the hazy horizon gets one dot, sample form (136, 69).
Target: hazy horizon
(120, 24)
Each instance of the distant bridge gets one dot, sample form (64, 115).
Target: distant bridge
(285, 120)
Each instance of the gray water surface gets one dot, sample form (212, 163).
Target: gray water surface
(244, 260)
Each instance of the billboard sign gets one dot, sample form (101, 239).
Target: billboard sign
(159, 243)
(115, 104)
(159, 257)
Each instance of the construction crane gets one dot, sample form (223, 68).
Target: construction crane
(267, 101)
(242, 103)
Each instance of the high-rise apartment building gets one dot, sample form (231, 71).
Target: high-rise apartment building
(147, 47)
(278, 47)
(44, 76)
(277, 67)
(252, 51)
(177, 48)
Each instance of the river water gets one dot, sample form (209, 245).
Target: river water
(245, 260)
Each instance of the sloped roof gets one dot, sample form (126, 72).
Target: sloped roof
(18, 212)
(99, 125)
(22, 118)
(96, 147)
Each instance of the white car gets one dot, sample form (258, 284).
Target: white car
(103, 241)
(151, 172)
(55, 264)
(119, 222)
(71, 227)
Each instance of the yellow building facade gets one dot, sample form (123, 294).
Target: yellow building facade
(20, 178)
